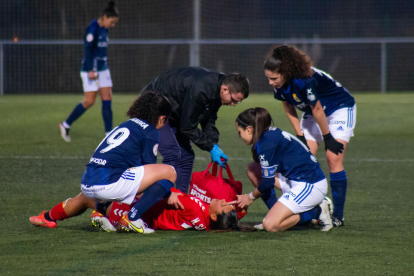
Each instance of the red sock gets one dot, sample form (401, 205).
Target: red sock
(58, 213)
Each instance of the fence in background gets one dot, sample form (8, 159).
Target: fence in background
(367, 46)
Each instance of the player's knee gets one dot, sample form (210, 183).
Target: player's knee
(88, 103)
(271, 226)
(172, 174)
(334, 163)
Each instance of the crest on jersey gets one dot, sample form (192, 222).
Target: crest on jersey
(311, 96)
(89, 37)
(296, 98)
(155, 149)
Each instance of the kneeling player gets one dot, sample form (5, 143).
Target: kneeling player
(282, 160)
(124, 165)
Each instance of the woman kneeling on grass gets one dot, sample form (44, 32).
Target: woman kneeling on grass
(282, 160)
(123, 166)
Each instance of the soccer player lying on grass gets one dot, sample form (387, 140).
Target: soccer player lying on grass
(283, 160)
(123, 166)
(191, 214)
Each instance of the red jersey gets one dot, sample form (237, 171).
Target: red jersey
(162, 216)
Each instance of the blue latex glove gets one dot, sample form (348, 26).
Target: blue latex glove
(217, 154)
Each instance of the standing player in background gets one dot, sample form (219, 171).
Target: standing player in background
(329, 112)
(95, 73)
(196, 94)
(283, 161)
(123, 166)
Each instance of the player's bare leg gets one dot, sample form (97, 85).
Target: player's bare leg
(66, 209)
(280, 218)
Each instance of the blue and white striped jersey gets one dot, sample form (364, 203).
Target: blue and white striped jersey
(96, 43)
(281, 152)
(133, 143)
(301, 93)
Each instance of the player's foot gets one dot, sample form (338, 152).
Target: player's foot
(337, 222)
(258, 226)
(64, 132)
(137, 226)
(102, 222)
(40, 220)
(325, 217)
(330, 204)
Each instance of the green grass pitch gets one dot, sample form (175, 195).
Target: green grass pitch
(38, 170)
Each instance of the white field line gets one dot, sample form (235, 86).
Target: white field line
(203, 158)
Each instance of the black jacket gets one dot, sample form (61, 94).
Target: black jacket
(194, 94)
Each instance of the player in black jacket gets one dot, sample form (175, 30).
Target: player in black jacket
(195, 94)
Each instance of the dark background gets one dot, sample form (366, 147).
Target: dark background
(55, 68)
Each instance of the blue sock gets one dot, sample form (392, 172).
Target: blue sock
(107, 115)
(76, 113)
(269, 198)
(152, 195)
(339, 183)
(309, 215)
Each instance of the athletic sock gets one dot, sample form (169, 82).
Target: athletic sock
(269, 198)
(309, 215)
(76, 113)
(57, 213)
(65, 124)
(107, 115)
(339, 183)
(152, 195)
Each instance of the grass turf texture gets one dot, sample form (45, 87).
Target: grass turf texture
(38, 170)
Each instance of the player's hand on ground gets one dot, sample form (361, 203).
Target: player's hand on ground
(92, 75)
(174, 201)
(332, 145)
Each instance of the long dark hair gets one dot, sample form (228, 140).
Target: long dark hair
(149, 107)
(289, 62)
(111, 10)
(258, 118)
(225, 221)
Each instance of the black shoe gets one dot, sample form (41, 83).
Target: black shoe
(337, 222)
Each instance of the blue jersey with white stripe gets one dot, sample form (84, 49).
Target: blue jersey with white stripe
(281, 152)
(133, 143)
(301, 93)
(96, 43)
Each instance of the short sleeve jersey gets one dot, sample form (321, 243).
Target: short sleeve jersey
(133, 143)
(96, 43)
(165, 217)
(281, 152)
(301, 93)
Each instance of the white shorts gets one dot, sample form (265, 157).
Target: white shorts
(124, 190)
(341, 125)
(103, 80)
(300, 197)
